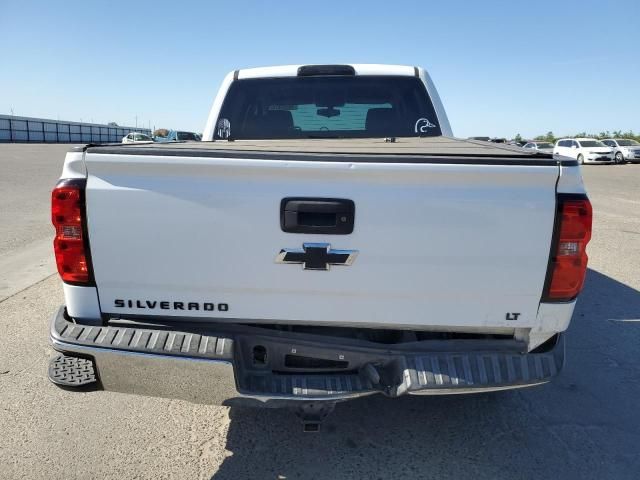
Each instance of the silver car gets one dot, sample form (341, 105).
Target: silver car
(625, 149)
(545, 147)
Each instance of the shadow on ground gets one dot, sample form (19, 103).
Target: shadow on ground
(586, 424)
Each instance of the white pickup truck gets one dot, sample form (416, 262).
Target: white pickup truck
(328, 239)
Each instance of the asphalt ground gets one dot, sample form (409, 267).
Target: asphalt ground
(584, 425)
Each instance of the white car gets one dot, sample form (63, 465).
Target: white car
(137, 137)
(625, 149)
(545, 147)
(584, 150)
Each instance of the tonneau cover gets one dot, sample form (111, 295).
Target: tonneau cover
(405, 148)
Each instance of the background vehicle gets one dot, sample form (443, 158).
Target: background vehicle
(136, 137)
(546, 147)
(584, 150)
(180, 136)
(625, 150)
(311, 260)
(484, 139)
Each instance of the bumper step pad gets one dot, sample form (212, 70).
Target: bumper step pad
(72, 371)
(159, 342)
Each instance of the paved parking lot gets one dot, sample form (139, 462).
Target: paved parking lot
(584, 425)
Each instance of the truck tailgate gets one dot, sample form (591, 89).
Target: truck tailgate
(439, 244)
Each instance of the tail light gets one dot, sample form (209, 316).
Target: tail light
(568, 259)
(70, 244)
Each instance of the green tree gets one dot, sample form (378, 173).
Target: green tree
(548, 137)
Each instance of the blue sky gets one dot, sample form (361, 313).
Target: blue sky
(501, 67)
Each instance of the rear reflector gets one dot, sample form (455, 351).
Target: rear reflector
(70, 243)
(568, 261)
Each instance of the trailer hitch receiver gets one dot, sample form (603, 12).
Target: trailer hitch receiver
(312, 414)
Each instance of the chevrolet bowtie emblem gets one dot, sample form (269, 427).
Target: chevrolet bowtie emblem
(316, 256)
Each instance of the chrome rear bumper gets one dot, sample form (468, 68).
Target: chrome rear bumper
(210, 367)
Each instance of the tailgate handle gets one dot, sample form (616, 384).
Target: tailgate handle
(329, 216)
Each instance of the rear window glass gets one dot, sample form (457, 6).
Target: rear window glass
(331, 107)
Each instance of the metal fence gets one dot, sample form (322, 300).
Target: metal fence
(27, 129)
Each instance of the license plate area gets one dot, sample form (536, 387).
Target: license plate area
(267, 354)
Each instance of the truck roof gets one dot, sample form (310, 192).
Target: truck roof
(360, 69)
(402, 150)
